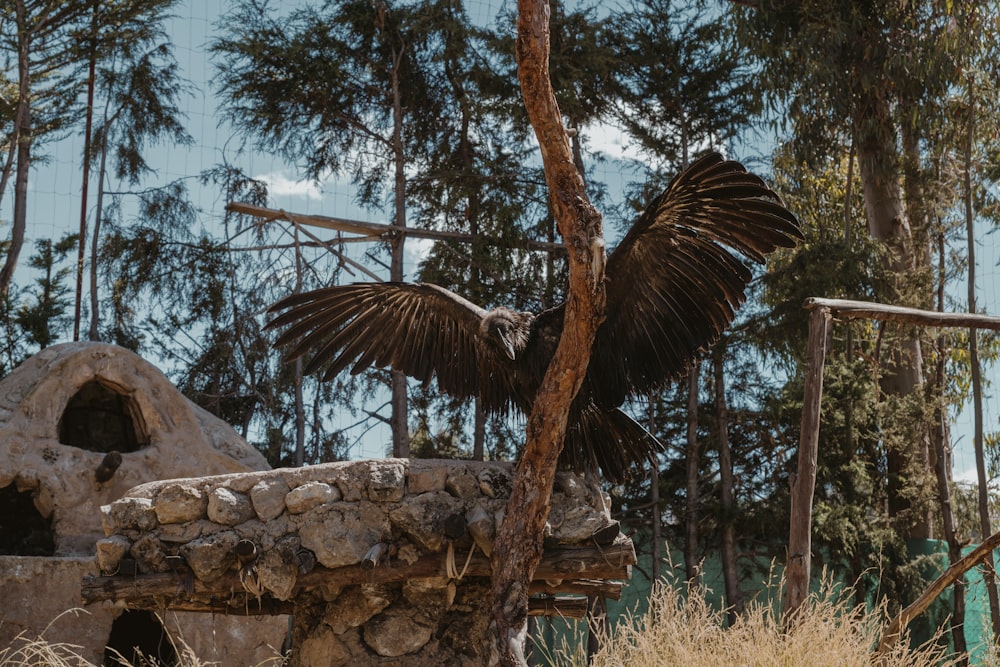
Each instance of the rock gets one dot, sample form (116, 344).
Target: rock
(278, 568)
(462, 484)
(386, 483)
(268, 498)
(356, 605)
(480, 524)
(179, 533)
(149, 554)
(422, 480)
(209, 557)
(572, 485)
(309, 495)
(322, 648)
(431, 596)
(495, 482)
(423, 518)
(128, 514)
(396, 632)
(228, 507)
(341, 533)
(180, 503)
(352, 482)
(110, 551)
(576, 524)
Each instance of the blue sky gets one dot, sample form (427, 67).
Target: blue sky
(55, 188)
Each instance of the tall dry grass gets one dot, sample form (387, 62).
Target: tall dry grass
(685, 630)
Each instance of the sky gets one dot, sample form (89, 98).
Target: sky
(56, 185)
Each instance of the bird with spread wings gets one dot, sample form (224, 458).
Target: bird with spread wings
(673, 284)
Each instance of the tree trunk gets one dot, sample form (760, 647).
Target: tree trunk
(989, 568)
(95, 241)
(888, 222)
(691, 562)
(23, 121)
(398, 421)
(798, 564)
(654, 494)
(734, 598)
(941, 439)
(519, 541)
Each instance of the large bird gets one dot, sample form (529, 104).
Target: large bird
(673, 284)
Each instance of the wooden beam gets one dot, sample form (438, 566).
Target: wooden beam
(374, 231)
(798, 560)
(562, 570)
(547, 605)
(856, 310)
(898, 624)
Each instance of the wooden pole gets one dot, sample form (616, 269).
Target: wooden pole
(797, 568)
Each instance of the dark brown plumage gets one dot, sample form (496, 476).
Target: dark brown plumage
(673, 284)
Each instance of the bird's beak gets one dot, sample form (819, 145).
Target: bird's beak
(507, 346)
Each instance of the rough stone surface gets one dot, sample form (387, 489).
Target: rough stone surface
(268, 498)
(209, 557)
(495, 482)
(356, 605)
(397, 632)
(180, 503)
(278, 568)
(310, 495)
(342, 533)
(110, 551)
(462, 484)
(229, 507)
(423, 518)
(426, 479)
(386, 483)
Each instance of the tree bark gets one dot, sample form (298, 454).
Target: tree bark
(654, 495)
(734, 598)
(398, 420)
(989, 568)
(941, 440)
(691, 563)
(519, 541)
(799, 557)
(23, 121)
(888, 222)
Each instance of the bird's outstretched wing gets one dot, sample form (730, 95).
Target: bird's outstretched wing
(678, 276)
(419, 329)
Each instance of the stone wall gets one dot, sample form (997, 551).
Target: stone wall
(382, 561)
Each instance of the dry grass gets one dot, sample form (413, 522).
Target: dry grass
(26, 651)
(685, 630)
(677, 630)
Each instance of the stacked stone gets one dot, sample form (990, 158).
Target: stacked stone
(277, 525)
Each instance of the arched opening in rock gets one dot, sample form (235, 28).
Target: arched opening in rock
(23, 530)
(101, 417)
(138, 638)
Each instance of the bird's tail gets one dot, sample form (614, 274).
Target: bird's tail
(610, 440)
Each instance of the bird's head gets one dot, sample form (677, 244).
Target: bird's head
(507, 329)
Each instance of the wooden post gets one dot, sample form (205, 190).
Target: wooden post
(800, 530)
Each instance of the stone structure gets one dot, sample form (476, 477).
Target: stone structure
(80, 424)
(383, 562)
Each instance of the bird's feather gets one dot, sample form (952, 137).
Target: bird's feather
(673, 284)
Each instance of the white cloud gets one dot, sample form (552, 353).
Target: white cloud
(279, 185)
(610, 140)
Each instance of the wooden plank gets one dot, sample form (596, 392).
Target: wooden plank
(572, 566)
(854, 310)
(799, 556)
(374, 231)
